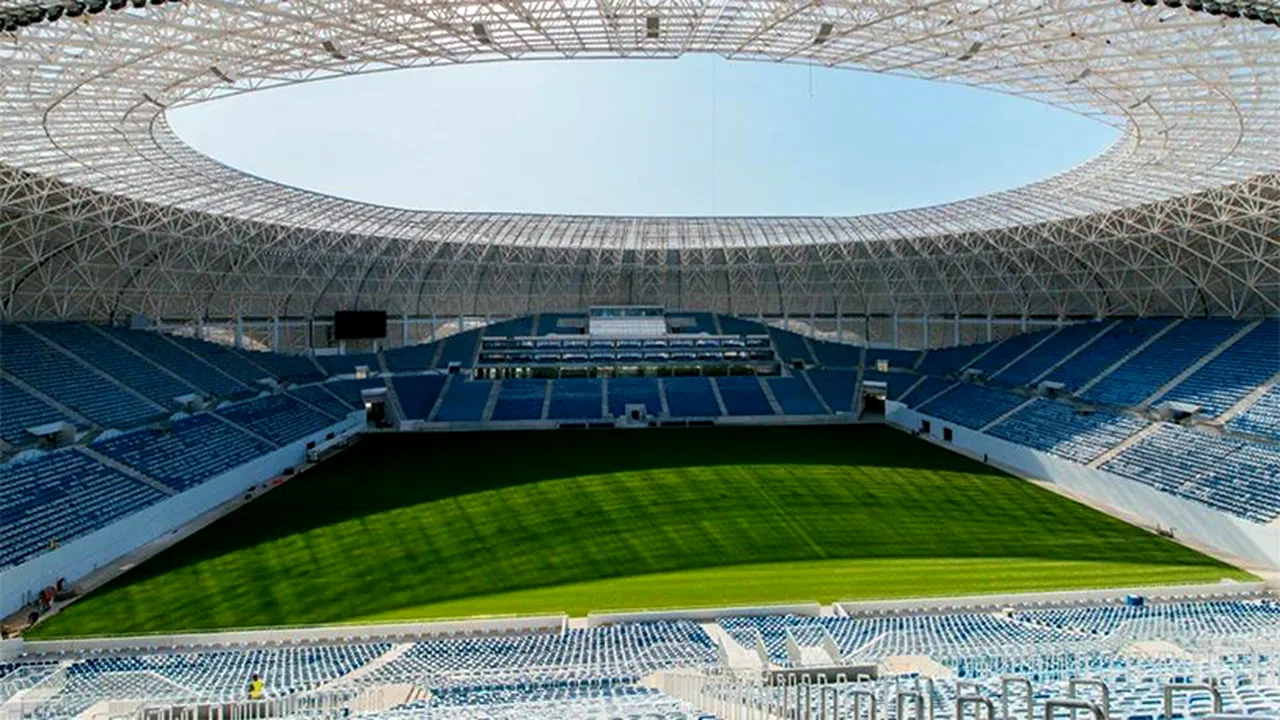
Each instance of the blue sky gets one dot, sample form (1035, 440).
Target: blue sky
(694, 136)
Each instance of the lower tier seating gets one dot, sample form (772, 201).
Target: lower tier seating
(576, 399)
(520, 400)
(1260, 418)
(743, 396)
(1065, 431)
(634, 391)
(836, 387)
(690, 397)
(971, 405)
(418, 394)
(464, 401)
(319, 398)
(794, 396)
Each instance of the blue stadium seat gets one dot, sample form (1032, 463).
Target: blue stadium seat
(515, 327)
(459, 348)
(464, 401)
(346, 364)
(190, 452)
(732, 325)
(971, 405)
(836, 355)
(634, 391)
(1007, 351)
(1229, 377)
(411, 358)
(792, 347)
(192, 367)
(1060, 429)
(279, 418)
(743, 396)
(793, 396)
(1103, 352)
(950, 360)
(321, 399)
(418, 394)
(690, 397)
(129, 368)
(1038, 361)
(898, 359)
(1161, 361)
(520, 400)
(20, 410)
(836, 387)
(1262, 417)
(576, 399)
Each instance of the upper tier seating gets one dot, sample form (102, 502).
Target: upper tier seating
(465, 401)
(971, 405)
(1008, 350)
(195, 449)
(1262, 417)
(634, 391)
(62, 496)
(793, 396)
(286, 367)
(346, 364)
(1237, 476)
(1229, 377)
(836, 387)
(551, 323)
(1035, 363)
(459, 348)
(121, 364)
(733, 325)
(1064, 431)
(1161, 361)
(278, 418)
(229, 360)
(418, 394)
(515, 327)
(349, 390)
(948, 360)
(1103, 352)
(898, 383)
(690, 397)
(317, 397)
(193, 368)
(576, 399)
(743, 396)
(836, 355)
(926, 389)
(20, 410)
(411, 358)
(692, 323)
(520, 400)
(898, 359)
(790, 346)
(71, 383)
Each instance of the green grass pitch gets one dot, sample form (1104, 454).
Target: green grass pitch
(451, 524)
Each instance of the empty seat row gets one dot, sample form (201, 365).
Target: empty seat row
(189, 452)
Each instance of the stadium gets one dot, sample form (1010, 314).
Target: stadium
(271, 453)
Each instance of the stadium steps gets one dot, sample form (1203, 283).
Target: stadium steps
(808, 347)
(768, 394)
(604, 398)
(1125, 444)
(444, 390)
(65, 410)
(1204, 360)
(983, 354)
(492, 402)
(128, 470)
(382, 363)
(392, 396)
(546, 400)
(1006, 415)
(662, 396)
(1117, 364)
(201, 359)
(915, 384)
(715, 390)
(318, 366)
(715, 322)
(736, 654)
(435, 351)
(1247, 401)
(814, 389)
(1026, 352)
(1106, 328)
(130, 349)
(94, 370)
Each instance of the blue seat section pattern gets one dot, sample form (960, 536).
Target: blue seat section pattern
(1233, 475)
(1038, 361)
(316, 396)
(1228, 378)
(278, 418)
(515, 327)
(20, 410)
(228, 360)
(346, 364)
(839, 355)
(898, 359)
(971, 405)
(193, 450)
(698, 322)
(732, 325)
(418, 393)
(1262, 417)
(948, 360)
(62, 378)
(549, 323)
(743, 396)
(836, 387)
(1161, 361)
(929, 387)
(576, 399)
(62, 496)
(1102, 353)
(634, 391)
(465, 401)
(793, 396)
(1008, 350)
(1064, 431)
(121, 364)
(898, 383)
(459, 348)
(791, 346)
(520, 400)
(690, 397)
(411, 358)
(195, 370)
(349, 390)
(287, 367)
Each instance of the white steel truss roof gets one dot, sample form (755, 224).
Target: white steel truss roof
(106, 211)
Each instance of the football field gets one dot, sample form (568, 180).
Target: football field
(452, 524)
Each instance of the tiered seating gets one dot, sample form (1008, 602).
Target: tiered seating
(349, 390)
(634, 391)
(515, 327)
(836, 387)
(108, 356)
(743, 396)
(520, 400)
(836, 355)
(740, 326)
(1222, 618)
(411, 358)
(549, 323)
(1262, 417)
(418, 394)
(971, 405)
(793, 396)
(61, 377)
(195, 370)
(898, 359)
(465, 401)
(693, 323)
(195, 449)
(898, 383)
(1236, 476)
(576, 399)
(286, 366)
(1064, 431)
(690, 397)
(927, 388)
(20, 410)
(791, 347)
(346, 364)
(459, 348)
(1007, 351)
(1110, 347)
(1046, 355)
(278, 418)
(1229, 377)
(316, 396)
(1161, 361)
(62, 496)
(230, 361)
(948, 360)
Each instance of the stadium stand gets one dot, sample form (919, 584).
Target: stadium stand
(459, 348)
(836, 355)
(836, 387)
(464, 401)
(697, 322)
(349, 390)
(1262, 417)
(60, 497)
(347, 364)
(418, 394)
(897, 359)
(576, 399)
(554, 323)
(515, 327)
(1066, 431)
(20, 410)
(278, 418)
(319, 398)
(286, 367)
(924, 390)
(743, 396)
(520, 400)
(1010, 349)
(793, 396)
(791, 347)
(1160, 362)
(897, 383)
(186, 364)
(1229, 377)
(95, 348)
(1109, 347)
(411, 358)
(191, 451)
(68, 381)
(971, 405)
(1039, 360)
(235, 363)
(635, 391)
(734, 325)
(690, 397)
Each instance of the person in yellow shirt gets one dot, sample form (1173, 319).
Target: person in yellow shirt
(255, 687)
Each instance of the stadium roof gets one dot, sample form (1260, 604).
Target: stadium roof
(106, 211)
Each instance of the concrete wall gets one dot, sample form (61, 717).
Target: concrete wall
(85, 554)
(1257, 545)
